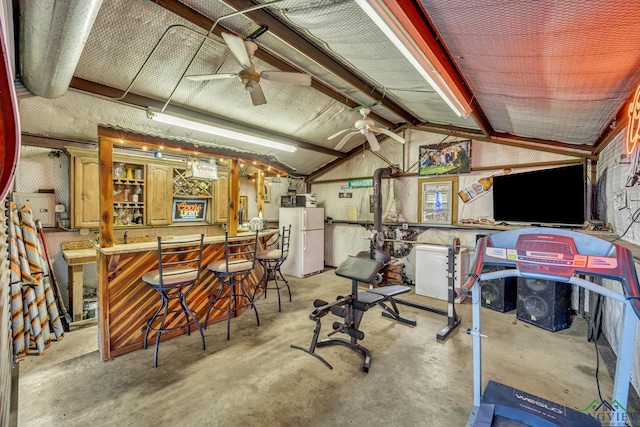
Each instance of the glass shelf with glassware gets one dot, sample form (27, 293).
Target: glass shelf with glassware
(128, 214)
(128, 194)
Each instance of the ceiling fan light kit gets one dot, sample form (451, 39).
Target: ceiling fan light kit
(368, 128)
(223, 130)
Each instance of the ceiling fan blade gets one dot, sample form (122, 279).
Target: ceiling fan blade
(373, 142)
(391, 135)
(238, 49)
(301, 79)
(203, 77)
(339, 133)
(257, 95)
(345, 139)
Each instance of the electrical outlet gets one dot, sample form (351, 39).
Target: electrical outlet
(405, 226)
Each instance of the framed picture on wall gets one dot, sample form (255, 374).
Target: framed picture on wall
(445, 158)
(438, 200)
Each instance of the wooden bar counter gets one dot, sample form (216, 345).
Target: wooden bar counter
(125, 302)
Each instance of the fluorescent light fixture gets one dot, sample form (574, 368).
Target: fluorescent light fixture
(388, 24)
(223, 130)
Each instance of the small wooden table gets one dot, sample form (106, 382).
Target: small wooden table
(75, 259)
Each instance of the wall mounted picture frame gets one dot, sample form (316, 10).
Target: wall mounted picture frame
(445, 158)
(438, 200)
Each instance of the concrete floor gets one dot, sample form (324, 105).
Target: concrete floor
(256, 379)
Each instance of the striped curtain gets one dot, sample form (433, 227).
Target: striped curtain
(34, 310)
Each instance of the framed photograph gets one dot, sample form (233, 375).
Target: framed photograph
(438, 200)
(445, 158)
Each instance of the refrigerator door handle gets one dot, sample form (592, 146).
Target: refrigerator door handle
(304, 219)
(304, 241)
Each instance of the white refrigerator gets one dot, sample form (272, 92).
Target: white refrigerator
(306, 247)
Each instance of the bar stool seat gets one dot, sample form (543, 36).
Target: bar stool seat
(220, 266)
(232, 271)
(179, 263)
(271, 260)
(172, 276)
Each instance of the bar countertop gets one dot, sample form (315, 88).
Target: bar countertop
(145, 246)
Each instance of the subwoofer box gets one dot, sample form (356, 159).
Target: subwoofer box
(499, 294)
(544, 303)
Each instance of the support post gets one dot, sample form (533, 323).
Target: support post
(233, 198)
(105, 159)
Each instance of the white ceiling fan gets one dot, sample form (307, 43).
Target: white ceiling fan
(243, 51)
(368, 128)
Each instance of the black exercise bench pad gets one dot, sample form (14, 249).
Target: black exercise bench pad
(369, 298)
(390, 291)
(360, 269)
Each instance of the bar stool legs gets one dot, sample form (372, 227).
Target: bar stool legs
(271, 260)
(163, 311)
(232, 306)
(271, 272)
(232, 271)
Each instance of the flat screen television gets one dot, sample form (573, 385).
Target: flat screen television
(550, 196)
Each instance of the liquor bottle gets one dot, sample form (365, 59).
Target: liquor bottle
(479, 187)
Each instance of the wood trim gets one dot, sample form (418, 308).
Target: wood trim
(103, 314)
(105, 158)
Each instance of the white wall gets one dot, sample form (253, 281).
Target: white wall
(611, 177)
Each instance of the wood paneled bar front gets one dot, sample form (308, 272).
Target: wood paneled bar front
(125, 302)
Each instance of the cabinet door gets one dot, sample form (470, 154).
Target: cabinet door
(221, 194)
(86, 194)
(159, 194)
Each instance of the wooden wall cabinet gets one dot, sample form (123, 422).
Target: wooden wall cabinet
(160, 182)
(221, 196)
(159, 194)
(85, 201)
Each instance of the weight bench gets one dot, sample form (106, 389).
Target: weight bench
(351, 308)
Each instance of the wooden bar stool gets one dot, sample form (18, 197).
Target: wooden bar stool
(232, 271)
(179, 263)
(271, 260)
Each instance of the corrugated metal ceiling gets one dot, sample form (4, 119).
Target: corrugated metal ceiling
(556, 72)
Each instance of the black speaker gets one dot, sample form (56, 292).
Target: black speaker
(499, 294)
(544, 303)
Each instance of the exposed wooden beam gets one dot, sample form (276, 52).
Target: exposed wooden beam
(582, 151)
(54, 143)
(276, 27)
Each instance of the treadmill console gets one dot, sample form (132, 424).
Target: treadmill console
(557, 254)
